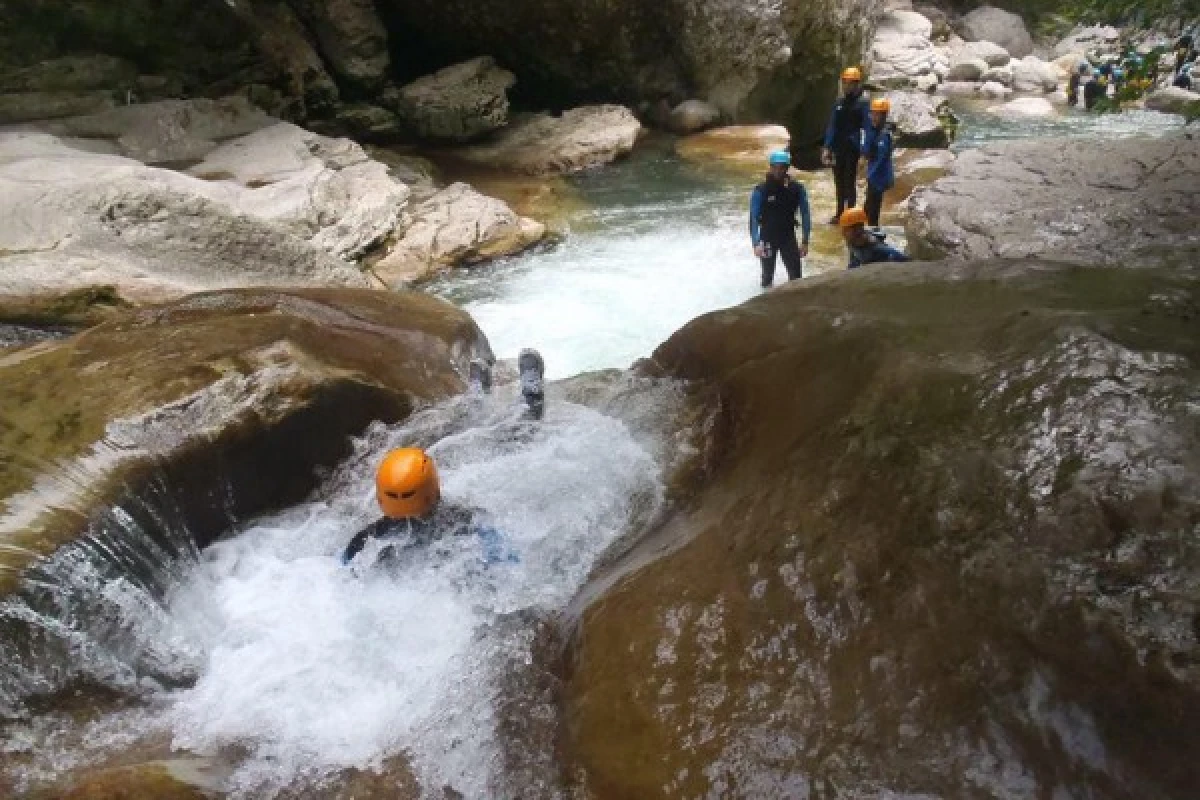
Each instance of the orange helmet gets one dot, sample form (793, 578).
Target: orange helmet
(406, 484)
(851, 217)
(881, 104)
(852, 74)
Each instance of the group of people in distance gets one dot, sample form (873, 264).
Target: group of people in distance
(857, 128)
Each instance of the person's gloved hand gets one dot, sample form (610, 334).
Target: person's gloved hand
(760, 251)
(827, 156)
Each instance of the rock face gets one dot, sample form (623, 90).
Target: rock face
(990, 53)
(693, 116)
(224, 404)
(458, 225)
(754, 61)
(1031, 74)
(739, 145)
(1083, 39)
(457, 103)
(1004, 28)
(1097, 203)
(199, 48)
(352, 39)
(539, 144)
(966, 70)
(968, 569)
(902, 51)
(918, 120)
(276, 206)
(1174, 100)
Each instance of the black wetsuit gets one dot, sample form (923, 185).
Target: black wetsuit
(773, 209)
(851, 115)
(446, 520)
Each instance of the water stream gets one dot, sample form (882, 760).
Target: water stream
(266, 655)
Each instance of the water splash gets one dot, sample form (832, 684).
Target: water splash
(313, 668)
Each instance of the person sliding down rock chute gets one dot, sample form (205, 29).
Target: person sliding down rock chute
(410, 497)
(409, 492)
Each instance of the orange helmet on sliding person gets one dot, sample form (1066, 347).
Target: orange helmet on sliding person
(406, 484)
(851, 217)
(881, 104)
(852, 74)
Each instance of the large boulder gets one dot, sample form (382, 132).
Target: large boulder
(1096, 202)
(989, 24)
(941, 545)
(219, 406)
(456, 226)
(539, 144)
(1031, 74)
(902, 51)
(693, 116)
(1174, 100)
(754, 61)
(166, 132)
(966, 70)
(919, 119)
(995, 90)
(457, 103)
(991, 53)
(1100, 38)
(1001, 75)
(279, 206)
(351, 37)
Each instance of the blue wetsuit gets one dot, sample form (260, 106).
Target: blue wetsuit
(773, 209)
(874, 252)
(878, 146)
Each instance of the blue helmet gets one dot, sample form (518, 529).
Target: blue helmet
(780, 158)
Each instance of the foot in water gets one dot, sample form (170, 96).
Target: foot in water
(532, 369)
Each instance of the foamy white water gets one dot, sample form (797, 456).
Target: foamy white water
(663, 243)
(314, 667)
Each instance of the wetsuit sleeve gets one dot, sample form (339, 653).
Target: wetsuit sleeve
(895, 255)
(829, 129)
(356, 544)
(855, 261)
(805, 214)
(756, 203)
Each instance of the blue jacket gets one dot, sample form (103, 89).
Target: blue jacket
(875, 252)
(850, 116)
(877, 147)
(773, 208)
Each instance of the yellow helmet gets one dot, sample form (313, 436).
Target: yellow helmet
(406, 484)
(851, 217)
(852, 74)
(881, 104)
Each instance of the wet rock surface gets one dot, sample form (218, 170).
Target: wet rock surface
(1175, 100)
(1108, 202)
(456, 226)
(945, 547)
(203, 379)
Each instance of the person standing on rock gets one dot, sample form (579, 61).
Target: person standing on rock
(877, 147)
(864, 246)
(773, 208)
(843, 140)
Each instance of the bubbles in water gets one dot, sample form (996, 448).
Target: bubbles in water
(313, 667)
